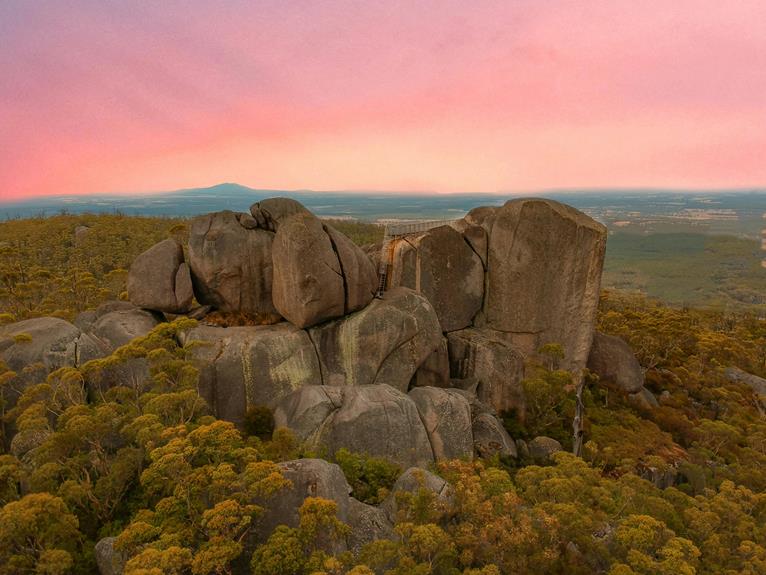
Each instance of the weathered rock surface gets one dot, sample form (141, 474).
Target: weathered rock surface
(374, 419)
(308, 281)
(117, 324)
(117, 328)
(28, 439)
(644, 399)
(476, 236)
(434, 371)
(231, 263)
(440, 264)
(411, 481)
(305, 412)
(497, 367)
(757, 384)
(613, 360)
(446, 415)
(359, 273)
(269, 213)
(543, 276)
(160, 280)
(541, 448)
(33, 348)
(491, 438)
(319, 274)
(109, 561)
(368, 523)
(248, 366)
(86, 319)
(384, 343)
(308, 478)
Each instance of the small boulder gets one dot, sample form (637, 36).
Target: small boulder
(411, 481)
(80, 234)
(33, 348)
(115, 326)
(119, 327)
(159, 279)
(384, 343)
(541, 449)
(490, 437)
(377, 420)
(368, 523)
(644, 399)
(231, 264)
(440, 264)
(27, 440)
(304, 413)
(484, 356)
(108, 560)
(613, 361)
(308, 478)
(446, 415)
(248, 366)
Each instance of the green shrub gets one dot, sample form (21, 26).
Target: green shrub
(259, 421)
(371, 478)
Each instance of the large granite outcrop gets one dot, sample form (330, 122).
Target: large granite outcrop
(159, 279)
(544, 267)
(471, 302)
(441, 265)
(374, 419)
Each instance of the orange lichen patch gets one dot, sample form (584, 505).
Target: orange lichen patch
(238, 319)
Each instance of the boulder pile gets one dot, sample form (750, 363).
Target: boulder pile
(417, 373)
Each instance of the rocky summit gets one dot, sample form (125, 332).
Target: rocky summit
(407, 350)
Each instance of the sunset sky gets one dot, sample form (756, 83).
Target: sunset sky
(468, 96)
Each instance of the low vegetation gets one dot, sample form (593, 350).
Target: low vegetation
(679, 488)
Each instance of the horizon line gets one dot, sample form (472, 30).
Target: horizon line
(351, 191)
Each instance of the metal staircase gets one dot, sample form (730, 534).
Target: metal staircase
(394, 232)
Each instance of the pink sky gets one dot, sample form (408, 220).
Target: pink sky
(457, 96)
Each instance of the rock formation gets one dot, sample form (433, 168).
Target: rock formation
(614, 362)
(543, 276)
(159, 279)
(384, 343)
(247, 366)
(319, 274)
(374, 419)
(441, 265)
(230, 261)
(418, 374)
(483, 355)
